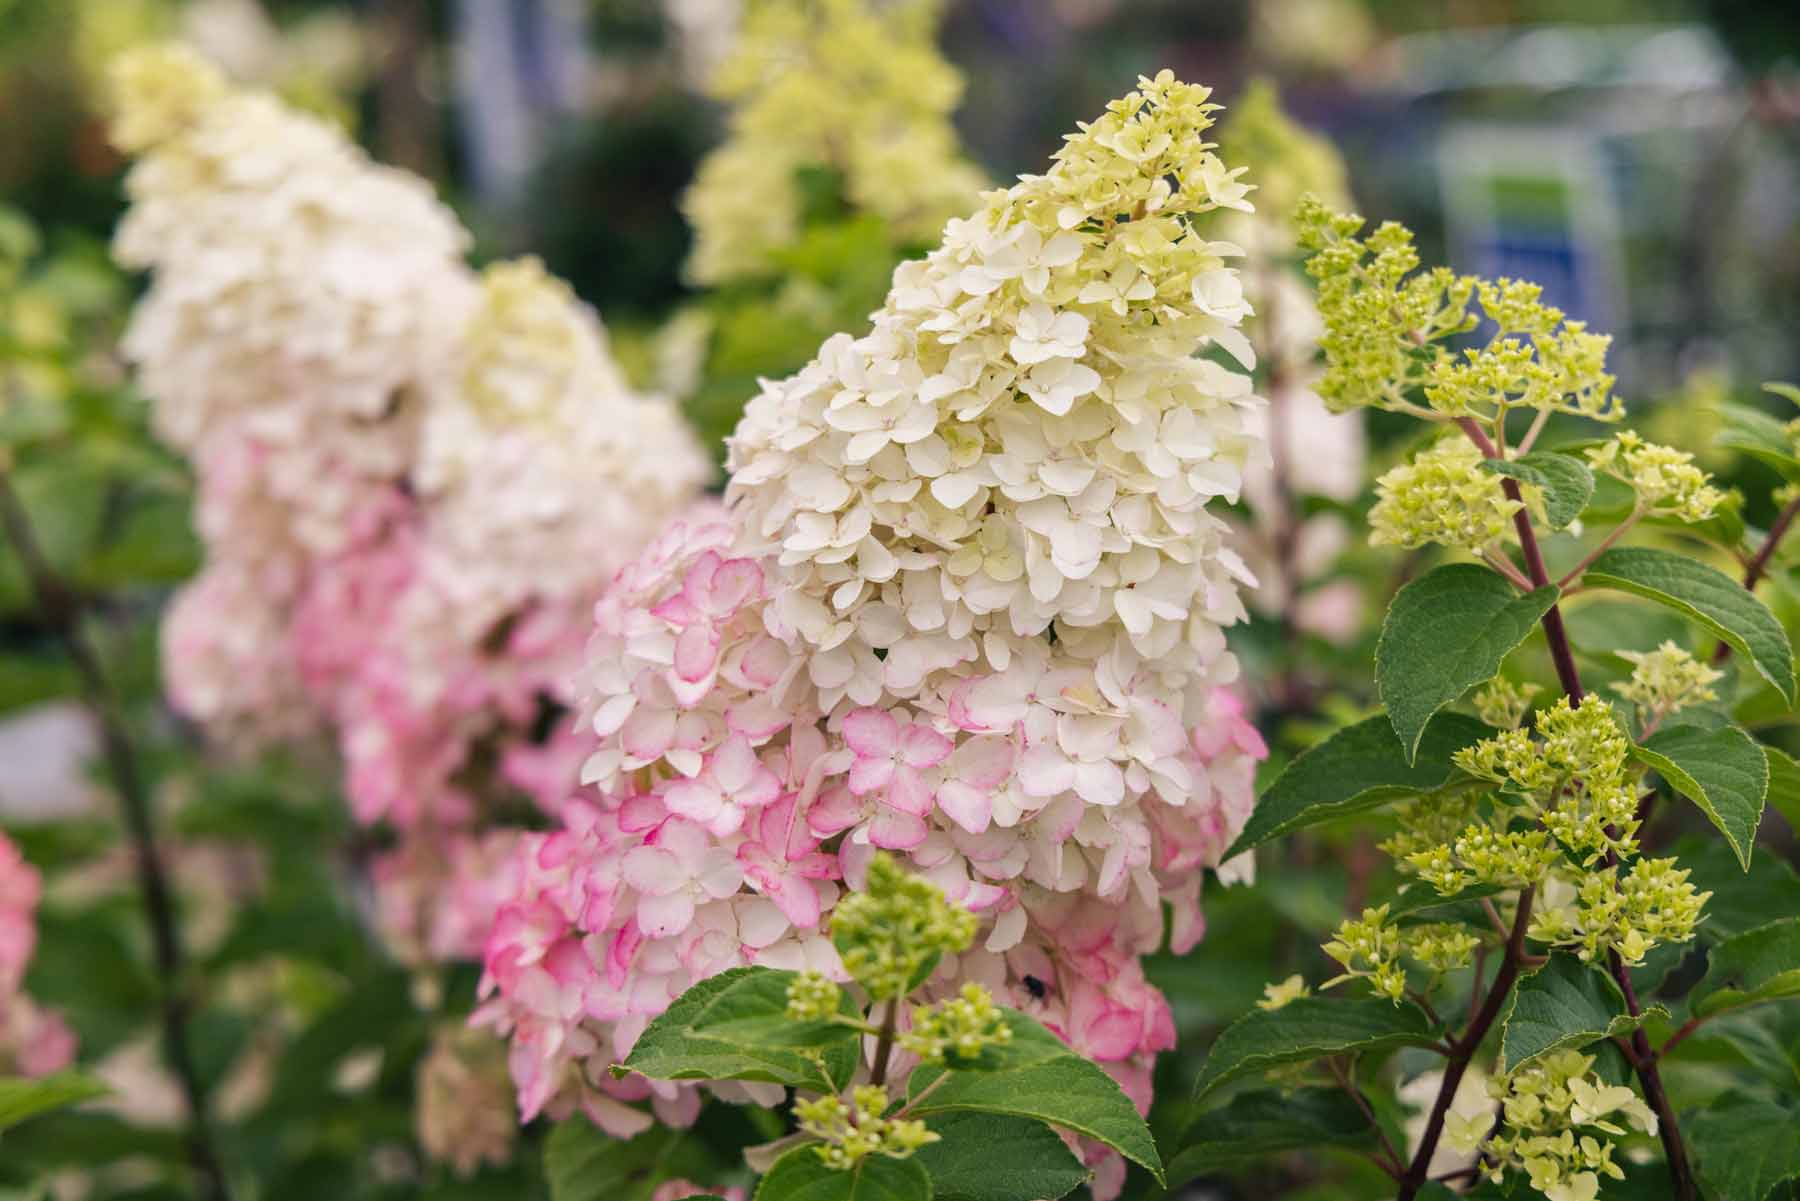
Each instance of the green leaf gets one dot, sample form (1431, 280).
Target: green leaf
(1784, 785)
(584, 1163)
(1310, 1028)
(1746, 1146)
(1359, 768)
(1266, 1122)
(1052, 1084)
(24, 1097)
(994, 1157)
(801, 1175)
(734, 1026)
(1739, 902)
(1566, 482)
(1754, 967)
(1724, 771)
(1706, 596)
(1444, 633)
(1565, 1003)
(1777, 388)
(1760, 436)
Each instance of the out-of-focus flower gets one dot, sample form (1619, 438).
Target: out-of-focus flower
(842, 88)
(34, 1041)
(465, 1116)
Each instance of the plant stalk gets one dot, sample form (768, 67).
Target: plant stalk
(1753, 572)
(1562, 654)
(62, 611)
(1463, 1050)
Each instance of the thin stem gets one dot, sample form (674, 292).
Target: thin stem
(1504, 566)
(1554, 631)
(884, 1043)
(1675, 1039)
(62, 612)
(1389, 1159)
(1587, 560)
(1463, 1050)
(1758, 565)
(923, 1093)
(1531, 435)
(1674, 1149)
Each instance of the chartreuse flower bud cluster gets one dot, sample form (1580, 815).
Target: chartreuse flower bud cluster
(1568, 795)
(1557, 1119)
(1665, 681)
(1503, 703)
(1665, 479)
(1385, 325)
(890, 935)
(957, 1030)
(1443, 496)
(888, 938)
(851, 1131)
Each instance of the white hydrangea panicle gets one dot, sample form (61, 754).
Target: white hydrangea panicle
(298, 290)
(1024, 442)
(534, 413)
(964, 603)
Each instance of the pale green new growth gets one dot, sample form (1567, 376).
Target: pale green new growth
(889, 935)
(851, 1131)
(957, 1030)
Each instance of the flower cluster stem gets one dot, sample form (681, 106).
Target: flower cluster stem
(1464, 1048)
(884, 1043)
(1753, 571)
(61, 609)
(1562, 654)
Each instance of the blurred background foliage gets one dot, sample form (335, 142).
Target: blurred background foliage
(1639, 157)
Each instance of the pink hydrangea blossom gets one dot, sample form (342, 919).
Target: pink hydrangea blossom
(34, 1041)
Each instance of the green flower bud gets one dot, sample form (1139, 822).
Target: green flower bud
(891, 935)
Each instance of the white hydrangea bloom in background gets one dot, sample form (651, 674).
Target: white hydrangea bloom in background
(298, 293)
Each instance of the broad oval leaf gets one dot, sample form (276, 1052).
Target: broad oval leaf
(734, 1026)
(1445, 632)
(801, 1175)
(1723, 771)
(996, 1157)
(1267, 1122)
(1050, 1083)
(27, 1097)
(1708, 597)
(1358, 768)
(1745, 1146)
(1751, 968)
(1741, 901)
(1310, 1028)
(584, 1163)
(1566, 482)
(1760, 436)
(1784, 785)
(1566, 1003)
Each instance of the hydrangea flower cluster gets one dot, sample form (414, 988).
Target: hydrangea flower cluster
(964, 605)
(396, 461)
(855, 89)
(34, 1041)
(1571, 773)
(414, 481)
(1559, 1117)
